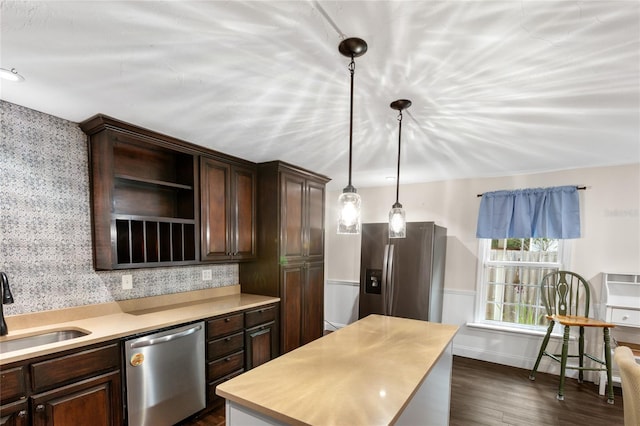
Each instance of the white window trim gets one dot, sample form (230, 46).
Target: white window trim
(484, 245)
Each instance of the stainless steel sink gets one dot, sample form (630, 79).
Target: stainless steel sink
(40, 339)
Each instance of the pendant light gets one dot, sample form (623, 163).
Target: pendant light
(349, 200)
(397, 217)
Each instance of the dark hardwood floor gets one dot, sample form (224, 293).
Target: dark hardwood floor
(484, 393)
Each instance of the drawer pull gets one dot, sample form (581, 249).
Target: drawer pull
(40, 408)
(227, 319)
(625, 317)
(227, 339)
(22, 413)
(227, 359)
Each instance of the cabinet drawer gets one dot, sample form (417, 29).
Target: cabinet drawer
(226, 365)
(260, 316)
(15, 414)
(75, 366)
(12, 384)
(628, 317)
(225, 325)
(212, 398)
(225, 345)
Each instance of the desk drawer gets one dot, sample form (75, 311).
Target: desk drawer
(626, 317)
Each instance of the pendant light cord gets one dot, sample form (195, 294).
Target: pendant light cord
(399, 139)
(352, 67)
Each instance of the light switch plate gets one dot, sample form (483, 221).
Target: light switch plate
(127, 282)
(206, 275)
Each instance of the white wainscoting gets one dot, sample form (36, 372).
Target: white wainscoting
(499, 346)
(340, 303)
(516, 349)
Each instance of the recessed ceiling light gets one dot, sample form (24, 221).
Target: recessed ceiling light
(11, 75)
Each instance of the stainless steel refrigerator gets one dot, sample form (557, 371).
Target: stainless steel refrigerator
(403, 277)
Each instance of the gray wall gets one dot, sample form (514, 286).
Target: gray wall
(45, 223)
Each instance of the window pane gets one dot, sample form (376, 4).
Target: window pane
(524, 250)
(513, 295)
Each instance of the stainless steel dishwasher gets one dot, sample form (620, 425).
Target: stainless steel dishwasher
(165, 375)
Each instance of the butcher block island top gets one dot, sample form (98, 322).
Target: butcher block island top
(363, 374)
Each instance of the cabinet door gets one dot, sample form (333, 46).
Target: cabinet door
(259, 342)
(313, 308)
(215, 190)
(315, 221)
(91, 402)
(244, 215)
(292, 216)
(292, 281)
(15, 414)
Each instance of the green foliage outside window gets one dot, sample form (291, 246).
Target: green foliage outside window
(513, 272)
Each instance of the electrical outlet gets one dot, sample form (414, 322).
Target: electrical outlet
(127, 282)
(206, 275)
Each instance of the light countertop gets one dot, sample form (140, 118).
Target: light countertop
(362, 374)
(114, 320)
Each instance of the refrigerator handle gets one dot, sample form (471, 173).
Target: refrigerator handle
(390, 282)
(385, 263)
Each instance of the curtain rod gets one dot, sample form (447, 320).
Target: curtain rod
(579, 188)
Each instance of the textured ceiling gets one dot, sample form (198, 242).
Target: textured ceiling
(498, 87)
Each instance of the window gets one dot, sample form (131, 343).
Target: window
(510, 276)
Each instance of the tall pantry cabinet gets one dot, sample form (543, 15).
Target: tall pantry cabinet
(290, 264)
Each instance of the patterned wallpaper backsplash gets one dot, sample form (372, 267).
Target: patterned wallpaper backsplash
(45, 223)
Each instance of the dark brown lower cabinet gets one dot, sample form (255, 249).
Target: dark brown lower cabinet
(79, 387)
(15, 414)
(302, 303)
(90, 402)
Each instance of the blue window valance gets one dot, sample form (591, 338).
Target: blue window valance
(530, 213)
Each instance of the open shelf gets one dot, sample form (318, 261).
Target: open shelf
(153, 240)
(144, 196)
(153, 182)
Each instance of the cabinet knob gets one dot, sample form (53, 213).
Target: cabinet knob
(625, 317)
(227, 319)
(22, 413)
(39, 408)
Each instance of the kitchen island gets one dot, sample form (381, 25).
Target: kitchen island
(377, 371)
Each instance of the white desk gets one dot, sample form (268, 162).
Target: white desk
(621, 295)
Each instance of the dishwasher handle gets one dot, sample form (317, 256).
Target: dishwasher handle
(164, 339)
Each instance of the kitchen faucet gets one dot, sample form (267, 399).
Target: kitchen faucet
(7, 299)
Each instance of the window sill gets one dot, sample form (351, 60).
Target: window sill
(516, 330)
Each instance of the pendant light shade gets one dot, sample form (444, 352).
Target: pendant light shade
(349, 200)
(397, 216)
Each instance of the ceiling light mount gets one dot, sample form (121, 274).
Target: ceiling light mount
(349, 200)
(400, 104)
(353, 47)
(11, 75)
(397, 217)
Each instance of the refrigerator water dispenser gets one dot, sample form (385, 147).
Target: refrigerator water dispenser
(373, 283)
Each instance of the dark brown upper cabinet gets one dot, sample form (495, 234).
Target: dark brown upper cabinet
(144, 196)
(290, 264)
(228, 213)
